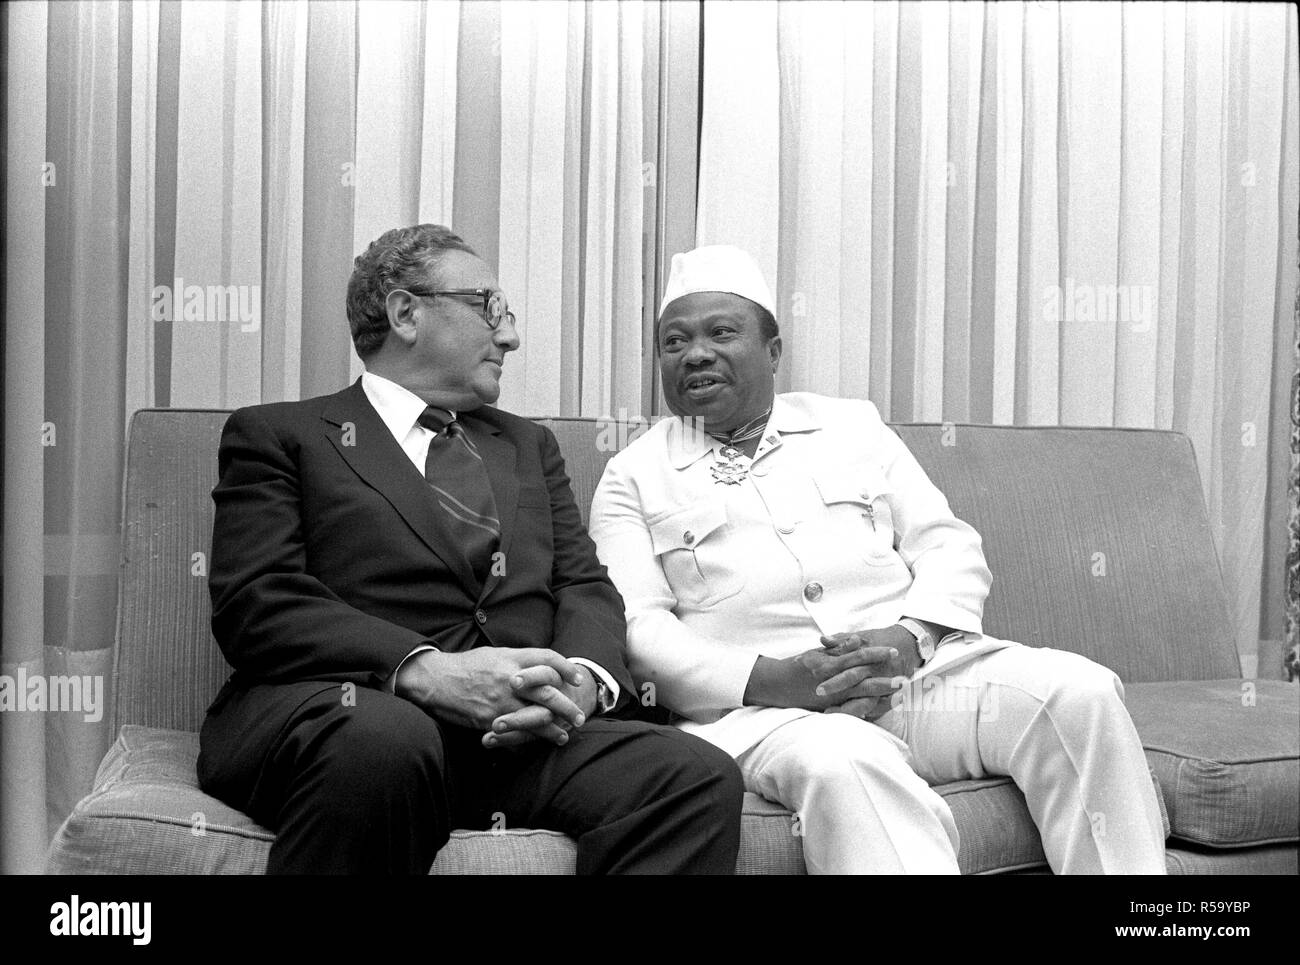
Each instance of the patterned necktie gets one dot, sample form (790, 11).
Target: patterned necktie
(455, 472)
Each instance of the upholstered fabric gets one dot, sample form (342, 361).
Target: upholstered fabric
(1006, 481)
(997, 833)
(1089, 534)
(588, 444)
(513, 852)
(168, 667)
(1291, 642)
(997, 836)
(768, 844)
(1273, 859)
(147, 815)
(1227, 756)
(1093, 536)
(1046, 500)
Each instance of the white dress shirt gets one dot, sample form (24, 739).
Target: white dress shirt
(399, 408)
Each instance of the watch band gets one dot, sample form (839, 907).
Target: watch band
(604, 696)
(925, 643)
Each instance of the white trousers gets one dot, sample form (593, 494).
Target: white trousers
(1053, 721)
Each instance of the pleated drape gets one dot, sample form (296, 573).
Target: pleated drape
(187, 186)
(917, 178)
(23, 768)
(1027, 213)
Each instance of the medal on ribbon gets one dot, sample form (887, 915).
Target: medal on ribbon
(730, 465)
(732, 469)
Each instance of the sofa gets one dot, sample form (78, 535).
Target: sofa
(1098, 540)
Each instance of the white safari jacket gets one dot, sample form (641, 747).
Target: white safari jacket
(836, 528)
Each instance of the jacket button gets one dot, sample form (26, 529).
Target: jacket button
(812, 592)
(480, 616)
(688, 537)
(785, 530)
(760, 471)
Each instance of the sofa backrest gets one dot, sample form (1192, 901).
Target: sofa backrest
(1098, 540)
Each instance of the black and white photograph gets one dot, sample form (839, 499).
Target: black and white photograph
(618, 437)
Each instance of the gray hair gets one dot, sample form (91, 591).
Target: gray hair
(398, 258)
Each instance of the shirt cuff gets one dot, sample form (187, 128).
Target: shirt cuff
(392, 677)
(931, 610)
(600, 672)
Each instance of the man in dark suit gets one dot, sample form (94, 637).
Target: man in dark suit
(421, 634)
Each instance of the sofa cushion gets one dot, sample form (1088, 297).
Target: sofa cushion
(1227, 756)
(146, 815)
(997, 833)
(1270, 859)
(769, 844)
(508, 851)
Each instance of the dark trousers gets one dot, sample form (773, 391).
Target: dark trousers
(361, 781)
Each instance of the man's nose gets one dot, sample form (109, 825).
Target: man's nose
(698, 353)
(506, 335)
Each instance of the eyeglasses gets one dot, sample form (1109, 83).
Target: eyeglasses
(493, 307)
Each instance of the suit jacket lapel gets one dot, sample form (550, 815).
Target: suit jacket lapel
(374, 455)
(500, 459)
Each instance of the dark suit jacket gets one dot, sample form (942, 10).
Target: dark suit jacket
(331, 561)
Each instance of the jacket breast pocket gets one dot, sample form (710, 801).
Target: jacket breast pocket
(857, 504)
(691, 545)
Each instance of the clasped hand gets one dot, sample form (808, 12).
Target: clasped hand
(515, 695)
(860, 671)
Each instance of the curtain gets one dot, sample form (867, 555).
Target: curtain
(1027, 213)
(67, 189)
(1291, 651)
(303, 131)
(187, 185)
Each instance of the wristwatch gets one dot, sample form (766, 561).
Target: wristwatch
(604, 696)
(924, 639)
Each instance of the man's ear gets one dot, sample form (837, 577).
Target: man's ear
(774, 352)
(400, 306)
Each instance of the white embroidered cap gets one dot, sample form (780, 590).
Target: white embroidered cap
(717, 268)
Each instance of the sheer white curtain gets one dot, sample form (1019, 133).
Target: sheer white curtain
(326, 124)
(256, 148)
(1028, 213)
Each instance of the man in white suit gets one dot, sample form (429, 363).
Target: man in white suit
(800, 594)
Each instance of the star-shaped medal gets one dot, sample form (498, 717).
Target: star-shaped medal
(731, 471)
